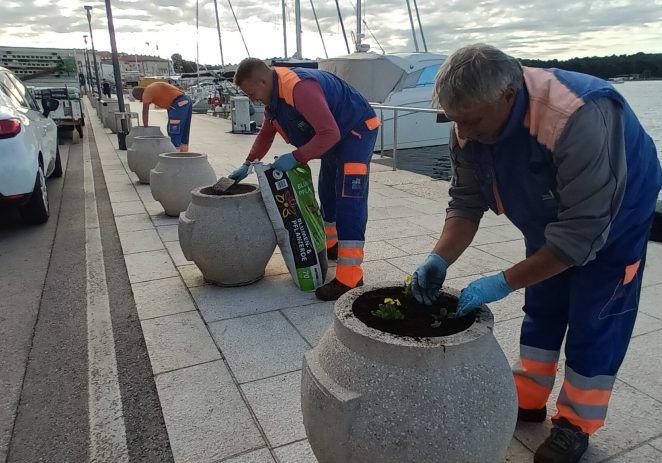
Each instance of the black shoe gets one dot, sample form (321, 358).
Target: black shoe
(333, 290)
(566, 444)
(332, 252)
(536, 415)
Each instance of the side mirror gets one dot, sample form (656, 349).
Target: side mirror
(49, 104)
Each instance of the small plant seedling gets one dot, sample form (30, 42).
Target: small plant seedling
(389, 310)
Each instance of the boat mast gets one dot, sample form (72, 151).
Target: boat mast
(284, 30)
(413, 29)
(297, 22)
(342, 26)
(420, 26)
(319, 29)
(358, 26)
(239, 28)
(197, 43)
(218, 27)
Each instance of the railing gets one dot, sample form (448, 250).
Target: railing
(441, 117)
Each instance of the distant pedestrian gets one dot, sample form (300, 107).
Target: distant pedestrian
(106, 88)
(178, 104)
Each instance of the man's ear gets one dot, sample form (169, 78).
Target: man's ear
(509, 95)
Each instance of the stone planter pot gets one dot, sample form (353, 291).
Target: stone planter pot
(175, 175)
(106, 107)
(143, 155)
(371, 396)
(230, 238)
(140, 131)
(111, 121)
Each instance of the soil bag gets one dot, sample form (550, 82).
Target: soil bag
(290, 201)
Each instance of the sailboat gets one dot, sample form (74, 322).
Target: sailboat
(395, 79)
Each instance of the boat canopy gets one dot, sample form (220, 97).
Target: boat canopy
(375, 75)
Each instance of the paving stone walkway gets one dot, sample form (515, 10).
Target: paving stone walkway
(227, 361)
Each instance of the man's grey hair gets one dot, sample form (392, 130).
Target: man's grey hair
(475, 75)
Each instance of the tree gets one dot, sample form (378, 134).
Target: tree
(177, 63)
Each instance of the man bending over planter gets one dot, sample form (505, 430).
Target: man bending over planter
(565, 158)
(323, 117)
(178, 104)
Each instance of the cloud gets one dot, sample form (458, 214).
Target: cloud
(536, 28)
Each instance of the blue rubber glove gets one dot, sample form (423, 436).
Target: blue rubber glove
(284, 162)
(428, 278)
(482, 291)
(239, 174)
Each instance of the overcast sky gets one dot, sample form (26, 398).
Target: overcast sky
(526, 29)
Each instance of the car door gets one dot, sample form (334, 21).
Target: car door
(44, 128)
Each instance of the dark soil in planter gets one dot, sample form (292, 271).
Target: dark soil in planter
(418, 317)
(236, 189)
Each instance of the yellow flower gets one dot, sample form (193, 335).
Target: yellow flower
(388, 300)
(408, 279)
(397, 302)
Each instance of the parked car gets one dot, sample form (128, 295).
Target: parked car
(29, 150)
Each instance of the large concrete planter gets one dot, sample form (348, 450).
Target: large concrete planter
(106, 107)
(371, 396)
(175, 175)
(111, 121)
(141, 131)
(230, 238)
(143, 155)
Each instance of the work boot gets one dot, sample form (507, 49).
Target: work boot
(566, 444)
(332, 252)
(333, 290)
(535, 415)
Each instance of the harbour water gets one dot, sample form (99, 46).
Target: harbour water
(645, 98)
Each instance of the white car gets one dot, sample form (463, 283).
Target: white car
(29, 150)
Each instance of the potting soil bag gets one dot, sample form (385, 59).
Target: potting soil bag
(292, 207)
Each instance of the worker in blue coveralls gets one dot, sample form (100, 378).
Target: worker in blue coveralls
(324, 118)
(564, 157)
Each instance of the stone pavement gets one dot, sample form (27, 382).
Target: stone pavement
(227, 361)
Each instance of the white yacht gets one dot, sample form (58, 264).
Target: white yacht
(396, 79)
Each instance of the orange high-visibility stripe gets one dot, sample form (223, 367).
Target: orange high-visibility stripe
(538, 368)
(531, 395)
(355, 168)
(497, 197)
(174, 121)
(287, 79)
(373, 123)
(588, 426)
(631, 272)
(356, 253)
(349, 275)
(598, 397)
(280, 130)
(331, 233)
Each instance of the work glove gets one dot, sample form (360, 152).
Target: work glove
(428, 278)
(239, 174)
(482, 291)
(284, 162)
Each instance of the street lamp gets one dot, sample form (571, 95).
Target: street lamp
(122, 131)
(88, 9)
(88, 87)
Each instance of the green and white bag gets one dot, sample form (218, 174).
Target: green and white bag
(290, 201)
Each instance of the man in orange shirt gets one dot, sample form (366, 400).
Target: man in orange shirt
(178, 104)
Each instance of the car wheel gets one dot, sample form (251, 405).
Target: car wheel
(36, 209)
(57, 172)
